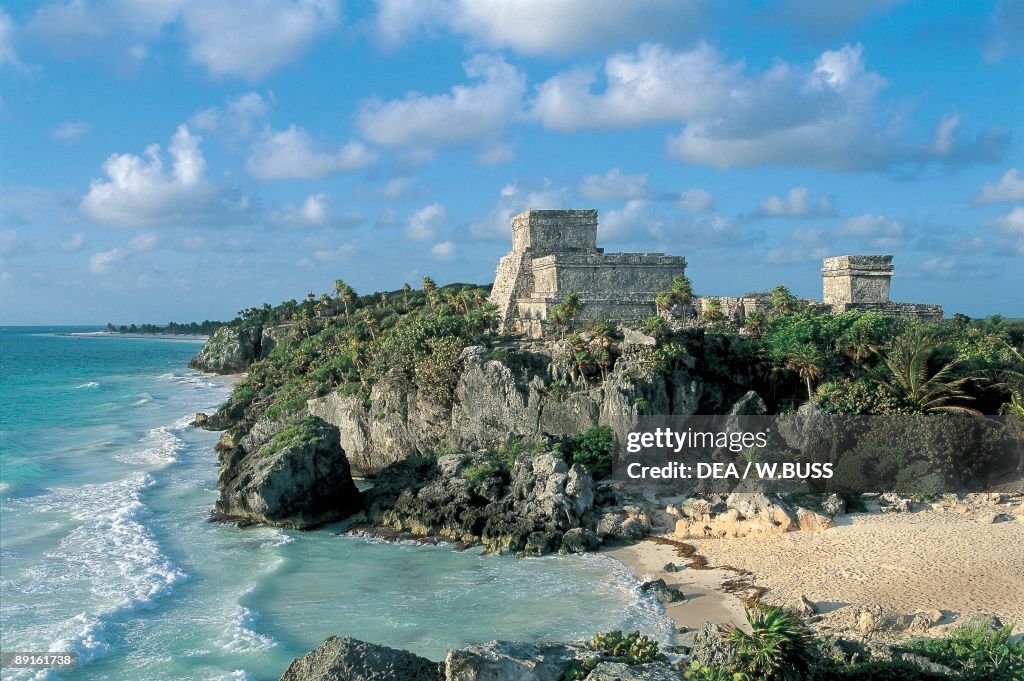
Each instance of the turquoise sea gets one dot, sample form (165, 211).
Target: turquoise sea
(105, 550)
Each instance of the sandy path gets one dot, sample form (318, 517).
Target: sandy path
(902, 562)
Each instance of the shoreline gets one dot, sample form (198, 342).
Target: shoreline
(189, 337)
(705, 599)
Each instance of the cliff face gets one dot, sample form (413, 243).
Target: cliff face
(229, 350)
(528, 392)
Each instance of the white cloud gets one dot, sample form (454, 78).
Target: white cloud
(696, 200)
(1007, 34)
(496, 154)
(244, 38)
(444, 250)
(622, 224)
(1010, 187)
(878, 231)
(236, 120)
(8, 55)
(314, 211)
(70, 131)
(468, 113)
(423, 224)
(138, 190)
(798, 203)
(73, 243)
(539, 26)
(146, 241)
(653, 84)
(823, 114)
(613, 186)
(1012, 226)
(250, 38)
(292, 154)
(104, 261)
(513, 199)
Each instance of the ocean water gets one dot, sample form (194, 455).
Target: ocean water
(105, 550)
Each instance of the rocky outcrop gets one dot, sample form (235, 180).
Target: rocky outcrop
(229, 350)
(511, 661)
(741, 514)
(348, 659)
(296, 475)
(540, 506)
(527, 392)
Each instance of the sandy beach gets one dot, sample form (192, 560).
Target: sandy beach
(952, 560)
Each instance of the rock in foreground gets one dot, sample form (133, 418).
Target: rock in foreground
(348, 659)
(299, 478)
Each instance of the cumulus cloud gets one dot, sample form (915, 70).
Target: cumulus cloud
(613, 186)
(798, 203)
(823, 114)
(70, 131)
(625, 223)
(443, 250)
(1010, 187)
(468, 113)
(293, 154)
(236, 120)
(539, 26)
(139, 190)
(1012, 228)
(104, 262)
(424, 223)
(696, 200)
(877, 230)
(240, 38)
(513, 199)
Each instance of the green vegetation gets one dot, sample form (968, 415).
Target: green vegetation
(976, 651)
(203, 328)
(777, 648)
(631, 648)
(306, 431)
(592, 450)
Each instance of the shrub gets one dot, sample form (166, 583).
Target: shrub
(777, 648)
(632, 648)
(592, 450)
(482, 470)
(977, 652)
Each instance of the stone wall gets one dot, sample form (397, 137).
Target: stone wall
(856, 279)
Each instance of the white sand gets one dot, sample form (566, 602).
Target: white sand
(905, 563)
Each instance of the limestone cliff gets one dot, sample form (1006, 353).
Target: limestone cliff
(524, 391)
(229, 350)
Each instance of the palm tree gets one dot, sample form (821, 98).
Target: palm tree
(712, 310)
(806, 361)
(573, 306)
(663, 301)
(385, 301)
(349, 297)
(682, 290)
(908, 376)
(603, 333)
(754, 323)
(428, 285)
(406, 289)
(783, 302)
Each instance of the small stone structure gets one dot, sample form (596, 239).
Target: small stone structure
(555, 252)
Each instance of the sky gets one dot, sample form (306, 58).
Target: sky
(185, 159)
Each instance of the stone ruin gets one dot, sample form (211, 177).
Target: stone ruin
(555, 252)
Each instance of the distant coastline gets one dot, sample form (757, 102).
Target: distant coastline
(191, 337)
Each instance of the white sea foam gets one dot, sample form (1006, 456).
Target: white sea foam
(159, 447)
(239, 636)
(90, 384)
(236, 675)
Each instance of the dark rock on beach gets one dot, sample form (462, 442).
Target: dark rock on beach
(348, 659)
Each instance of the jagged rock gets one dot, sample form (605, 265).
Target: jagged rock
(229, 350)
(809, 521)
(981, 621)
(834, 505)
(200, 420)
(662, 591)
(299, 479)
(617, 671)
(992, 518)
(464, 498)
(869, 619)
(894, 503)
(750, 404)
(812, 431)
(510, 661)
(927, 665)
(348, 659)
(923, 621)
(670, 567)
(628, 523)
(579, 540)
(805, 607)
(709, 646)
(271, 336)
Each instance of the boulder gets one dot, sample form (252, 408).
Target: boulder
(894, 503)
(510, 661)
(834, 505)
(229, 350)
(810, 521)
(348, 659)
(579, 540)
(299, 479)
(709, 647)
(805, 607)
(663, 592)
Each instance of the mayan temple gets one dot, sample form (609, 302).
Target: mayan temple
(555, 252)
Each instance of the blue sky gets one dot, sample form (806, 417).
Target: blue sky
(183, 159)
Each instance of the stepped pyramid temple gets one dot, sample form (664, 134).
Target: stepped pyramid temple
(555, 252)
